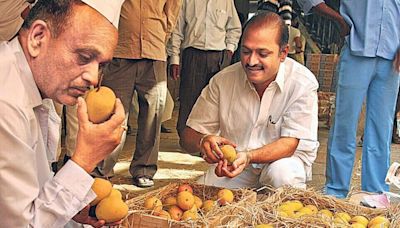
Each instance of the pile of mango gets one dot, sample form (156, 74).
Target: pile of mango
(108, 204)
(296, 209)
(184, 205)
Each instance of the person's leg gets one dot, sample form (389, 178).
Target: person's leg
(351, 91)
(106, 167)
(247, 179)
(198, 67)
(119, 75)
(151, 87)
(286, 171)
(192, 75)
(381, 102)
(167, 114)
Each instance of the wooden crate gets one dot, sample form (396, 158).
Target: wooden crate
(139, 217)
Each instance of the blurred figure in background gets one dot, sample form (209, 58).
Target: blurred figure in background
(13, 13)
(296, 41)
(208, 32)
(368, 70)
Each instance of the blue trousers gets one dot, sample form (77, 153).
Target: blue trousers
(360, 78)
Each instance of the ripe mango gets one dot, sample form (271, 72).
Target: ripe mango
(225, 196)
(100, 104)
(111, 209)
(229, 153)
(102, 188)
(185, 200)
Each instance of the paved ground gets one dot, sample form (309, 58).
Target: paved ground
(175, 165)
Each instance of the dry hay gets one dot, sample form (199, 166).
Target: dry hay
(266, 211)
(212, 218)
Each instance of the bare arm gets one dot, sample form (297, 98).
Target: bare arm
(396, 62)
(281, 148)
(326, 11)
(190, 140)
(298, 45)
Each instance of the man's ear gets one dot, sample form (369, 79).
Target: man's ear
(38, 37)
(284, 52)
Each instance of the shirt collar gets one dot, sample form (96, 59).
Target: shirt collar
(26, 76)
(279, 80)
(280, 77)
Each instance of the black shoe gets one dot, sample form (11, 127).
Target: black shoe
(165, 130)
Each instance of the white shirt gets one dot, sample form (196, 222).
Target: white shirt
(30, 196)
(205, 25)
(230, 106)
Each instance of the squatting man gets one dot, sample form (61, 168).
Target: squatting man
(265, 106)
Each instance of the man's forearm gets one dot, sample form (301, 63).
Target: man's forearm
(281, 148)
(326, 11)
(190, 140)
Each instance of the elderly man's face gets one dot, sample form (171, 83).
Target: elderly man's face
(69, 64)
(261, 55)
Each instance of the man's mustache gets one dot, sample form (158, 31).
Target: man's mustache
(255, 67)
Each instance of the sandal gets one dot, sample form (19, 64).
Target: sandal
(143, 181)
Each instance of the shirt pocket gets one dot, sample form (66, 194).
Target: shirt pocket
(220, 17)
(273, 129)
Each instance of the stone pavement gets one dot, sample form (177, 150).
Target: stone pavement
(175, 165)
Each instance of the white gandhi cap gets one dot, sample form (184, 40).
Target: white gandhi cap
(111, 9)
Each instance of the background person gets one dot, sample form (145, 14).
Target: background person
(12, 16)
(208, 32)
(367, 70)
(139, 64)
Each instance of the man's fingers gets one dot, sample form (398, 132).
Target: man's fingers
(119, 115)
(217, 153)
(208, 160)
(235, 172)
(232, 172)
(218, 169)
(82, 113)
(224, 141)
(209, 151)
(98, 224)
(175, 71)
(236, 163)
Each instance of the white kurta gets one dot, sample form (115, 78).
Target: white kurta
(30, 196)
(230, 106)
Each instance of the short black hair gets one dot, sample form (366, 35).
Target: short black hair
(56, 13)
(266, 19)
